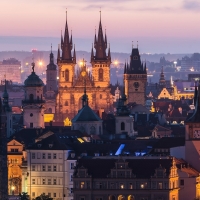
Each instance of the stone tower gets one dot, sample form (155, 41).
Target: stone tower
(3, 154)
(8, 111)
(65, 61)
(135, 79)
(162, 82)
(192, 134)
(51, 76)
(101, 60)
(33, 103)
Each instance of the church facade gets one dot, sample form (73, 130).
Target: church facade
(72, 82)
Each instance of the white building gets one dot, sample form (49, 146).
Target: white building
(50, 166)
(33, 104)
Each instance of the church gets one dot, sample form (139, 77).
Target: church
(71, 82)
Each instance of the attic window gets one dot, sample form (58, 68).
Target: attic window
(50, 145)
(39, 145)
(135, 58)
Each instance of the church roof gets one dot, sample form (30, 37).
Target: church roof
(86, 114)
(33, 80)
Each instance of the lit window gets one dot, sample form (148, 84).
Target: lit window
(33, 181)
(82, 185)
(54, 194)
(159, 185)
(33, 194)
(121, 186)
(43, 181)
(72, 165)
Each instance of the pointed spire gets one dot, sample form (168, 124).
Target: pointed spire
(58, 54)
(99, 44)
(195, 95)
(61, 40)
(95, 38)
(67, 45)
(71, 41)
(145, 67)
(125, 68)
(109, 54)
(105, 39)
(92, 54)
(74, 55)
(5, 95)
(51, 56)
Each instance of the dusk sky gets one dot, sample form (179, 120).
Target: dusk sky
(160, 26)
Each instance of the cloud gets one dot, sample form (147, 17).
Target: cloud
(191, 5)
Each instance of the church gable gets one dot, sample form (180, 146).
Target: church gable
(164, 94)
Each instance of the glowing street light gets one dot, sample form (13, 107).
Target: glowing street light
(116, 62)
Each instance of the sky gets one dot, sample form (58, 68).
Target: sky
(159, 26)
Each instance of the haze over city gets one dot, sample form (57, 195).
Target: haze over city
(159, 26)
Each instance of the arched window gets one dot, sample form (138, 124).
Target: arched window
(66, 75)
(66, 103)
(122, 126)
(31, 97)
(100, 96)
(92, 130)
(72, 99)
(100, 74)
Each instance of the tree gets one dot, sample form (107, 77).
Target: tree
(43, 197)
(24, 196)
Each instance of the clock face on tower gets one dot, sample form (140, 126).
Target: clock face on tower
(196, 134)
(136, 84)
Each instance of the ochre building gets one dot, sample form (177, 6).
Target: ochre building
(72, 81)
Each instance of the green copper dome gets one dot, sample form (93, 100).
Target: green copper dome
(33, 80)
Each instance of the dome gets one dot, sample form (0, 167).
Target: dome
(33, 80)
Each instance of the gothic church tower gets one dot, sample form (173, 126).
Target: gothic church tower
(135, 79)
(100, 60)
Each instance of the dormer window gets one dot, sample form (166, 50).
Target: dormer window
(39, 145)
(50, 145)
(135, 58)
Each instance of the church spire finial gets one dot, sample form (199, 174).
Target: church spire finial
(51, 47)
(100, 13)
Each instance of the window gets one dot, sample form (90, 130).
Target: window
(54, 156)
(49, 168)
(43, 156)
(121, 186)
(159, 185)
(43, 168)
(33, 181)
(33, 167)
(33, 194)
(72, 165)
(92, 130)
(63, 73)
(181, 182)
(130, 186)
(31, 115)
(49, 181)
(33, 155)
(100, 74)
(54, 181)
(49, 156)
(31, 97)
(100, 96)
(14, 150)
(43, 181)
(31, 125)
(71, 190)
(49, 194)
(54, 194)
(66, 103)
(71, 177)
(122, 126)
(54, 168)
(82, 185)
(66, 75)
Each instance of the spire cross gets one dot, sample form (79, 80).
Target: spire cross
(51, 47)
(66, 13)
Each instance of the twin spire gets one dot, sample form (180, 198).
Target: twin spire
(66, 47)
(100, 45)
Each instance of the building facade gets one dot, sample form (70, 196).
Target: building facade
(135, 79)
(11, 69)
(72, 82)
